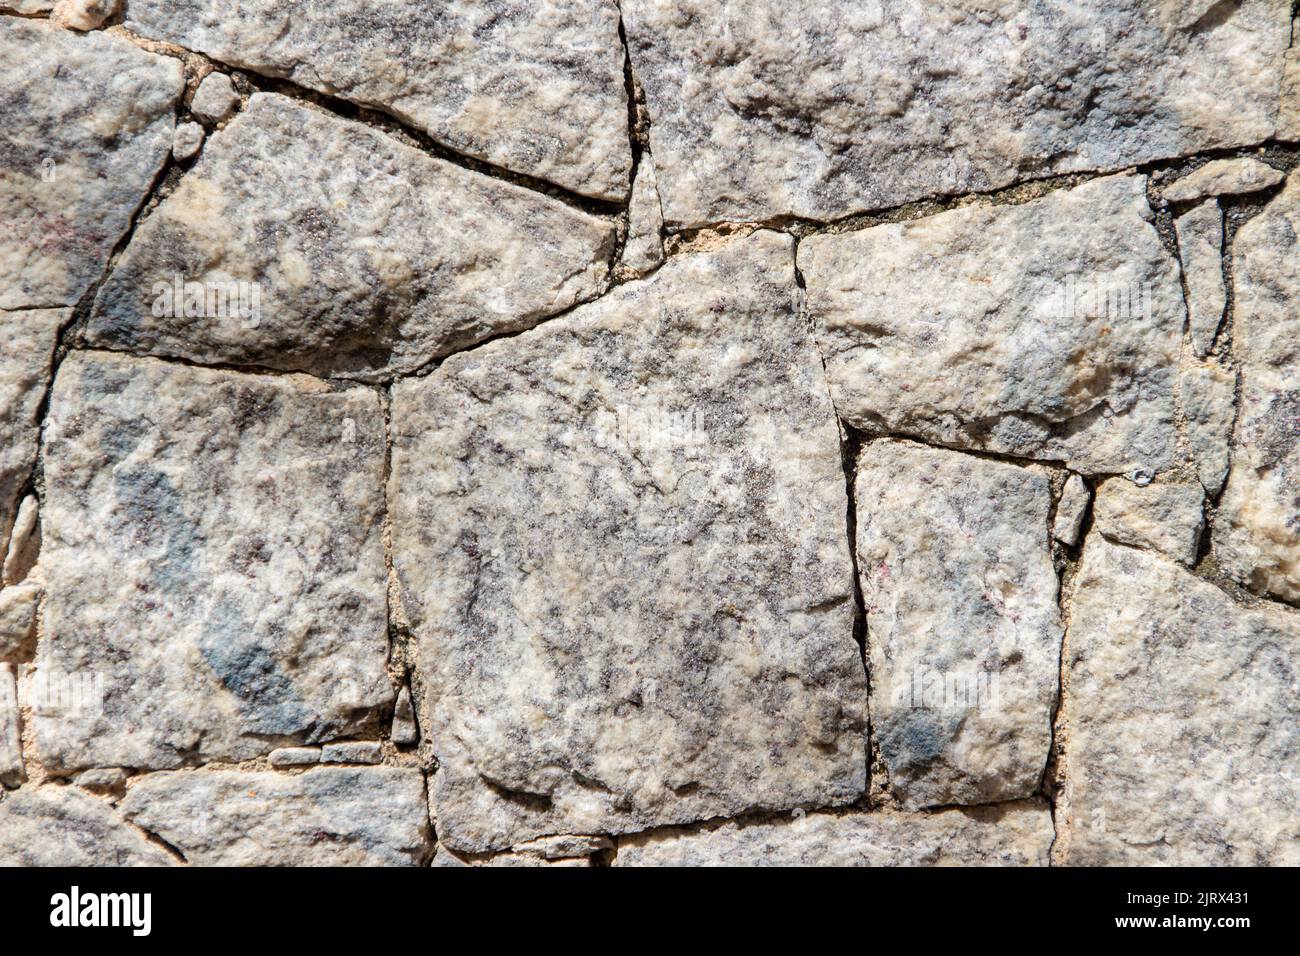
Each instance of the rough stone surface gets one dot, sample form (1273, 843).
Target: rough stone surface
(1200, 244)
(535, 88)
(187, 141)
(405, 731)
(1258, 532)
(213, 546)
(566, 846)
(368, 257)
(533, 483)
(1224, 177)
(28, 6)
(294, 757)
(330, 816)
(215, 99)
(1046, 330)
(963, 631)
(62, 826)
(351, 751)
(88, 125)
(1012, 835)
(1184, 721)
(644, 249)
(1165, 517)
(1208, 392)
(110, 780)
(759, 111)
(1288, 117)
(446, 858)
(1070, 510)
(84, 14)
(11, 747)
(18, 607)
(24, 542)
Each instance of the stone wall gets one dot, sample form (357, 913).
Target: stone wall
(486, 432)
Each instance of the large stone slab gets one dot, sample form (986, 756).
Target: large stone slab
(213, 544)
(1184, 727)
(63, 826)
(1047, 330)
(621, 542)
(88, 125)
(964, 635)
(534, 87)
(1165, 517)
(845, 105)
(1258, 532)
(372, 816)
(1011, 835)
(341, 251)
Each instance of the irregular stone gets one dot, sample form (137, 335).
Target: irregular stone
(1165, 517)
(349, 253)
(215, 99)
(1257, 536)
(404, 732)
(187, 141)
(109, 780)
(1070, 510)
(1010, 835)
(536, 88)
(29, 338)
(214, 553)
(965, 636)
(28, 6)
(446, 858)
(644, 249)
(1200, 243)
(566, 846)
(62, 826)
(351, 751)
(329, 816)
(1046, 330)
(24, 542)
(18, 606)
(848, 106)
(1224, 177)
(1288, 117)
(88, 125)
(1208, 395)
(294, 757)
(84, 14)
(682, 424)
(11, 745)
(1183, 720)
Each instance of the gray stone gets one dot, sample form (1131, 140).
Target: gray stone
(107, 780)
(644, 249)
(214, 552)
(1208, 396)
(1070, 510)
(1200, 244)
(215, 99)
(294, 757)
(759, 110)
(24, 543)
(446, 858)
(329, 816)
(405, 732)
(352, 751)
(1046, 330)
(1168, 518)
(84, 14)
(355, 254)
(18, 606)
(566, 846)
(535, 88)
(1224, 177)
(1288, 117)
(964, 634)
(28, 6)
(11, 745)
(679, 424)
(1010, 835)
(62, 826)
(88, 125)
(1184, 725)
(1257, 535)
(187, 141)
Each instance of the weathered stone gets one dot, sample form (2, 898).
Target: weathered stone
(1047, 330)
(1011, 835)
(1288, 117)
(566, 846)
(187, 141)
(215, 99)
(644, 249)
(1166, 517)
(1257, 535)
(88, 125)
(18, 607)
(352, 751)
(11, 745)
(759, 111)
(329, 816)
(536, 88)
(214, 553)
(28, 6)
(352, 253)
(1184, 721)
(84, 14)
(109, 780)
(1224, 177)
(404, 731)
(24, 543)
(294, 757)
(29, 337)
(1208, 395)
(965, 636)
(446, 858)
(1070, 510)
(1200, 243)
(682, 424)
(62, 826)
